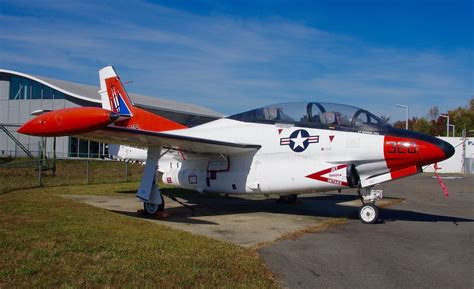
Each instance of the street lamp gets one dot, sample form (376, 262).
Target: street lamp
(447, 124)
(454, 128)
(406, 113)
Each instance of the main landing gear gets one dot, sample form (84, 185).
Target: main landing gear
(369, 212)
(152, 209)
(149, 192)
(288, 199)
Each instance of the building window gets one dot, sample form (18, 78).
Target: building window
(83, 148)
(36, 90)
(15, 86)
(93, 149)
(86, 149)
(23, 88)
(19, 88)
(73, 147)
(48, 92)
(58, 95)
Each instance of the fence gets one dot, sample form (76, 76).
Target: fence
(22, 173)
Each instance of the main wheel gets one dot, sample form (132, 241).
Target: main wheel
(288, 199)
(368, 213)
(153, 209)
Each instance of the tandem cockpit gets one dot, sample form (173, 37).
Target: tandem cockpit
(317, 115)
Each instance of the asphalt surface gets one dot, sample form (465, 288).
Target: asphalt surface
(424, 242)
(248, 220)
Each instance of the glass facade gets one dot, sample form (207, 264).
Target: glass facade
(23, 88)
(17, 112)
(80, 148)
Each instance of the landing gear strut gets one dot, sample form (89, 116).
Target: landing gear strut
(149, 192)
(369, 212)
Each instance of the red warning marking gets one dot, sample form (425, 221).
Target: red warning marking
(168, 180)
(319, 175)
(440, 181)
(331, 137)
(280, 130)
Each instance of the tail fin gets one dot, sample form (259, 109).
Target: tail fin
(115, 98)
(113, 94)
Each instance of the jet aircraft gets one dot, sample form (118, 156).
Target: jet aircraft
(285, 149)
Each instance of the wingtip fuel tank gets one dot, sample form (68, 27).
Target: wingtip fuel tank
(68, 121)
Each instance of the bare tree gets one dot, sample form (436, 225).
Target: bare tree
(385, 118)
(433, 113)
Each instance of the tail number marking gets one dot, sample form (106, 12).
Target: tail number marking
(401, 147)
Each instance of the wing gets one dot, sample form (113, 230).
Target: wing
(143, 138)
(120, 121)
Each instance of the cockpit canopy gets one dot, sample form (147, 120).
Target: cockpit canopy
(315, 114)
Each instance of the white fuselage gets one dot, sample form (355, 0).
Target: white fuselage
(287, 158)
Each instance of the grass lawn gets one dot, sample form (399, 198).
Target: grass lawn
(23, 174)
(49, 241)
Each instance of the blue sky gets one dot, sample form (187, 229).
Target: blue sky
(236, 55)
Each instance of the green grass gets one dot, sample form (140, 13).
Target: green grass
(49, 241)
(69, 172)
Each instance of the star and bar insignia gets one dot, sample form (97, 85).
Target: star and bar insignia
(299, 140)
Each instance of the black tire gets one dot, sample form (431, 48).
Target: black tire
(287, 199)
(153, 209)
(368, 213)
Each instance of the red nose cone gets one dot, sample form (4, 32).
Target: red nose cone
(401, 152)
(68, 121)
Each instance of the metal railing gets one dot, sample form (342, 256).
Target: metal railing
(17, 142)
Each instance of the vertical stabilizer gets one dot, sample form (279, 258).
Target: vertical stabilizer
(112, 93)
(115, 98)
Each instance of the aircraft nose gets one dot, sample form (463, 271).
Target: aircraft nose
(404, 147)
(446, 147)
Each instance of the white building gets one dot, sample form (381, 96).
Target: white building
(463, 159)
(21, 94)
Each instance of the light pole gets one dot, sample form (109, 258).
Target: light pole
(406, 114)
(454, 128)
(447, 124)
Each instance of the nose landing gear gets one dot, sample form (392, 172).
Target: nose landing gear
(369, 213)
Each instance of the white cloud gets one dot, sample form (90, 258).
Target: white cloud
(227, 63)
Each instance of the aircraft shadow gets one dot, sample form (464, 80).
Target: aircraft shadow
(390, 215)
(327, 205)
(171, 218)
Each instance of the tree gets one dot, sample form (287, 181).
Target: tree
(461, 117)
(433, 113)
(438, 126)
(421, 125)
(385, 118)
(399, 124)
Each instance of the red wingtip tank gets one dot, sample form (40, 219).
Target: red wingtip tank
(68, 121)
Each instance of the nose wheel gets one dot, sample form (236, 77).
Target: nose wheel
(368, 213)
